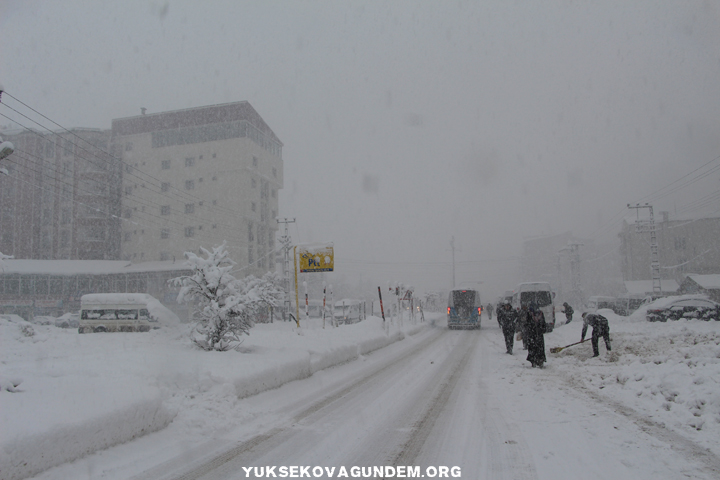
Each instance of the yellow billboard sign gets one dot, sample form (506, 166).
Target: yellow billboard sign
(316, 258)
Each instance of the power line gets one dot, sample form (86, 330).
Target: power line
(90, 193)
(128, 168)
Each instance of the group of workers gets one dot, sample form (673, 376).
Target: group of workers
(530, 326)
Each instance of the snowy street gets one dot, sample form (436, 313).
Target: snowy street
(451, 399)
(432, 399)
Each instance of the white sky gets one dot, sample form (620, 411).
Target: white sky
(414, 120)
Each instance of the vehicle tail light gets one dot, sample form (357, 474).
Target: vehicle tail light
(448, 310)
(479, 310)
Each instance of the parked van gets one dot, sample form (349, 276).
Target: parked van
(464, 309)
(627, 304)
(115, 312)
(597, 302)
(540, 293)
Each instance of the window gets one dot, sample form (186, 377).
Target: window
(165, 186)
(214, 202)
(190, 161)
(252, 206)
(128, 236)
(255, 161)
(274, 170)
(165, 210)
(166, 164)
(189, 184)
(128, 147)
(165, 233)
(251, 236)
(254, 183)
(200, 157)
(189, 231)
(128, 190)
(273, 192)
(164, 256)
(200, 180)
(128, 213)
(214, 177)
(189, 208)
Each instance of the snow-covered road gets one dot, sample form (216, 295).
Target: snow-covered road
(439, 399)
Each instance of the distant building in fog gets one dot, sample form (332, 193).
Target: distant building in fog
(574, 273)
(62, 197)
(198, 177)
(684, 246)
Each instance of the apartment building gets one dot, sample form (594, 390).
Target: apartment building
(684, 246)
(197, 178)
(61, 199)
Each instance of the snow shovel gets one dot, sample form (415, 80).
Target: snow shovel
(560, 349)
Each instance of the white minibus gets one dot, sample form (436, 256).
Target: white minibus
(115, 312)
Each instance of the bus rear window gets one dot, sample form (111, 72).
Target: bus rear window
(464, 298)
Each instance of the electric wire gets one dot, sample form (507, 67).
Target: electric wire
(128, 168)
(91, 193)
(110, 215)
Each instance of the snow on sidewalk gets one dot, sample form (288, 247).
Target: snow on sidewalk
(83, 393)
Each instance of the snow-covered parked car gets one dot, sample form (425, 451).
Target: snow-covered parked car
(42, 320)
(68, 320)
(683, 306)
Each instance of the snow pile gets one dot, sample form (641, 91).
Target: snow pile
(67, 395)
(668, 371)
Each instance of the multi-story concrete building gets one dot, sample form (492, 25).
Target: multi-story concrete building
(684, 246)
(61, 199)
(197, 178)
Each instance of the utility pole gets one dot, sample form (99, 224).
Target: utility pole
(452, 246)
(286, 242)
(649, 226)
(573, 249)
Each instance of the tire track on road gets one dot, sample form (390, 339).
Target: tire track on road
(681, 444)
(167, 470)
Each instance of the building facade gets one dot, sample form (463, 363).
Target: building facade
(61, 199)
(197, 178)
(684, 246)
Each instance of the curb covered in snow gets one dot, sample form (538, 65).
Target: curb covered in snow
(72, 439)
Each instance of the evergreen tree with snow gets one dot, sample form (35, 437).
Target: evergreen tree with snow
(226, 306)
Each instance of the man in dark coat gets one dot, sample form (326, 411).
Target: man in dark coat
(535, 330)
(600, 329)
(507, 318)
(568, 311)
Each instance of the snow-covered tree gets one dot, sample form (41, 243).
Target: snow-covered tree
(226, 306)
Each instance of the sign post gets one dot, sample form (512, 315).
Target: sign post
(312, 258)
(382, 311)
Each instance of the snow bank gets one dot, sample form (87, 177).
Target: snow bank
(23, 455)
(78, 394)
(669, 371)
